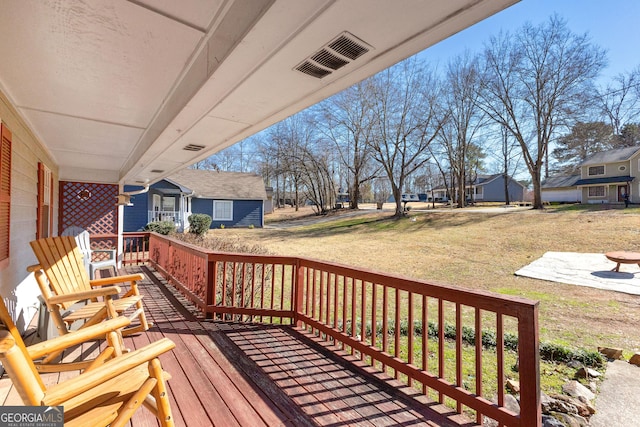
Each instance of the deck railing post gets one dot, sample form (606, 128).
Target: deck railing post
(211, 288)
(298, 288)
(529, 357)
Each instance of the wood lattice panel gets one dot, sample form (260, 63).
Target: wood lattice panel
(92, 207)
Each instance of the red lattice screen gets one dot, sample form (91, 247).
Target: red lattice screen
(92, 207)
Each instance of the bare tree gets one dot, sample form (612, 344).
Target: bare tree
(534, 81)
(620, 100)
(404, 102)
(289, 139)
(348, 122)
(462, 117)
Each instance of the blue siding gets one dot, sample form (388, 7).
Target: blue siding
(245, 212)
(494, 191)
(135, 217)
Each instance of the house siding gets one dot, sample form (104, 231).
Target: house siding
(494, 191)
(245, 212)
(18, 287)
(612, 169)
(135, 217)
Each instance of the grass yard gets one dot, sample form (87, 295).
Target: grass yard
(480, 250)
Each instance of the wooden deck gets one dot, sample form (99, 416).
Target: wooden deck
(230, 374)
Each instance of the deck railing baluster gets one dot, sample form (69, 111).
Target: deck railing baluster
(410, 330)
(479, 350)
(363, 315)
(440, 345)
(458, 351)
(425, 339)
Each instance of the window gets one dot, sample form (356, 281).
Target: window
(597, 191)
(45, 205)
(596, 170)
(5, 193)
(223, 210)
(169, 204)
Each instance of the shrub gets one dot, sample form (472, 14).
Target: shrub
(199, 224)
(161, 227)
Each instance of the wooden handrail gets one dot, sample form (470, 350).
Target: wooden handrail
(382, 318)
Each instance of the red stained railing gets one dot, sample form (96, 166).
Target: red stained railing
(396, 324)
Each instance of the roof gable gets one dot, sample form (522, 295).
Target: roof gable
(210, 184)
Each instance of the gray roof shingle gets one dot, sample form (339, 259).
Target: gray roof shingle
(210, 184)
(611, 156)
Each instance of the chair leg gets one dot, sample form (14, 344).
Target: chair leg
(127, 411)
(160, 394)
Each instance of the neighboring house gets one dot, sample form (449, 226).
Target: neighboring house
(487, 188)
(232, 199)
(605, 177)
(561, 188)
(490, 188)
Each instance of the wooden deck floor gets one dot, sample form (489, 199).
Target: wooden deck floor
(229, 374)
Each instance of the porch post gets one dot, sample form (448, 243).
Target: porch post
(120, 230)
(529, 356)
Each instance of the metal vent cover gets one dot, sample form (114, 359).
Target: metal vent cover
(193, 147)
(334, 55)
(309, 68)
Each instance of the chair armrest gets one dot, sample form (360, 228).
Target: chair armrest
(6, 341)
(82, 335)
(116, 279)
(59, 393)
(33, 268)
(79, 296)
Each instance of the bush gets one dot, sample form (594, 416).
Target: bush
(199, 223)
(161, 227)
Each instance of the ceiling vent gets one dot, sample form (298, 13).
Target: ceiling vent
(335, 55)
(193, 147)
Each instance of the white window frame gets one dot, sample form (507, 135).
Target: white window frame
(223, 218)
(604, 170)
(168, 204)
(604, 191)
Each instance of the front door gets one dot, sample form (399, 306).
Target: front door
(622, 191)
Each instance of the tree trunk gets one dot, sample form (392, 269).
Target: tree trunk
(506, 189)
(537, 189)
(355, 193)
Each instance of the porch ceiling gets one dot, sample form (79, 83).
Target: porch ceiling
(116, 89)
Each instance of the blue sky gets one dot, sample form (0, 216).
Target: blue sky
(611, 24)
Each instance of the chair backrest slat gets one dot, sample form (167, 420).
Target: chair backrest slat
(61, 261)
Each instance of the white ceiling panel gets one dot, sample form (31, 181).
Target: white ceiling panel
(72, 139)
(101, 59)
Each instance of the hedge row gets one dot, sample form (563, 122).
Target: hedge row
(548, 351)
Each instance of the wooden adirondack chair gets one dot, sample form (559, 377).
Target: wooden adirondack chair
(45, 358)
(64, 282)
(106, 393)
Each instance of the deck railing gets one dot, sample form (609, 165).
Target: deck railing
(457, 346)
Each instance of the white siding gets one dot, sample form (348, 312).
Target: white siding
(17, 287)
(563, 195)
